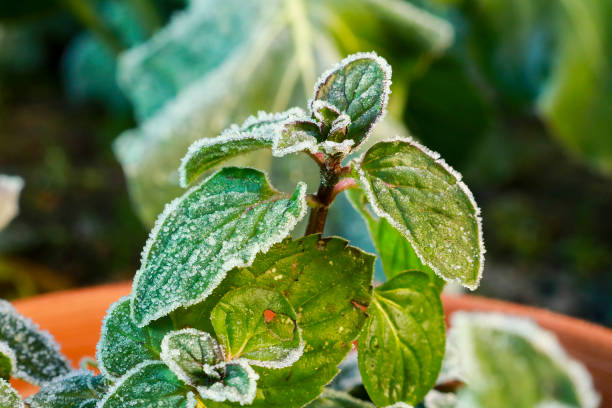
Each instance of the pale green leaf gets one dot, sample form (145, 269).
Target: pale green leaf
(258, 325)
(297, 136)
(511, 362)
(77, 389)
(220, 224)
(425, 199)
(37, 356)
(402, 345)
(358, 86)
(396, 253)
(150, 384)
(8, 361)
(123, 345)
(10, 187)
(577, 103)
(336, 399)
(437, 399)
(328, 284)
(192, 355)
(257, 132)
(9, 398)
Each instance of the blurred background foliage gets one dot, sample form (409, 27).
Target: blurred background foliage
(99, 100)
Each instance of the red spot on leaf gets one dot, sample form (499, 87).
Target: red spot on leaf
(359, 306)
(269, 315)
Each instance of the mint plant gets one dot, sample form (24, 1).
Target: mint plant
(227, 309)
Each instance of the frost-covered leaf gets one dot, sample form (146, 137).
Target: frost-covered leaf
(216, 63)
(123, 345)
(337, 399)
(150, 384)
(37, 356)
(296, 136)
(396, 253)
(402, 346)
(8, 361)
(324, 113)
(192, 355)
(425, 199)
(257, 132)
(257, 325)
(220, 224)
(77, 389)
(508, 361)
(358, 86)
(10, 187)
(328, 284)
(9, 398)
(238, 384)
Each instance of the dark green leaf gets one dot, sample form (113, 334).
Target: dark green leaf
(123, 345)
(150, 384)
(396, 253)
(425, 200)
(7, 361)
(9, 398)
(402, 346)
(258, 325)
(220, 224)
(358, 86)
(328, 284)
(77, 389)
(337, 399)
(511, 362)
(257, 132)
(238, 385)
(37, 355)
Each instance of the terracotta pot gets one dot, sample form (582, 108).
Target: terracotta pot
(75, 318)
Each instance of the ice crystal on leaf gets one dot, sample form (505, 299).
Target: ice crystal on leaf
(337, 399)
(123, 345)
(149, 384)
(9, 398)
(220, 224)
(424, 199)
(37, 356)
(78, 389)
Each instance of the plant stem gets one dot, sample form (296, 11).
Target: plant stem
(330, 176)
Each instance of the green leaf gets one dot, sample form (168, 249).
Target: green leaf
(336, 399)
(509, 361)
(123, 345)
(197, 359)
(328, 284)
(396, 253)
(359, 86)
(192, 355)
(9, 398)
(239, 384)
(258, 325)
(37, 356)
(425, 200)
(77, 389)
(220, 224)
(150, 384)
(402, 345)
(7, 361)
(257, 132)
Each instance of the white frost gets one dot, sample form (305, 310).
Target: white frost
(9, 398)
(220, 392)
(10, 187)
